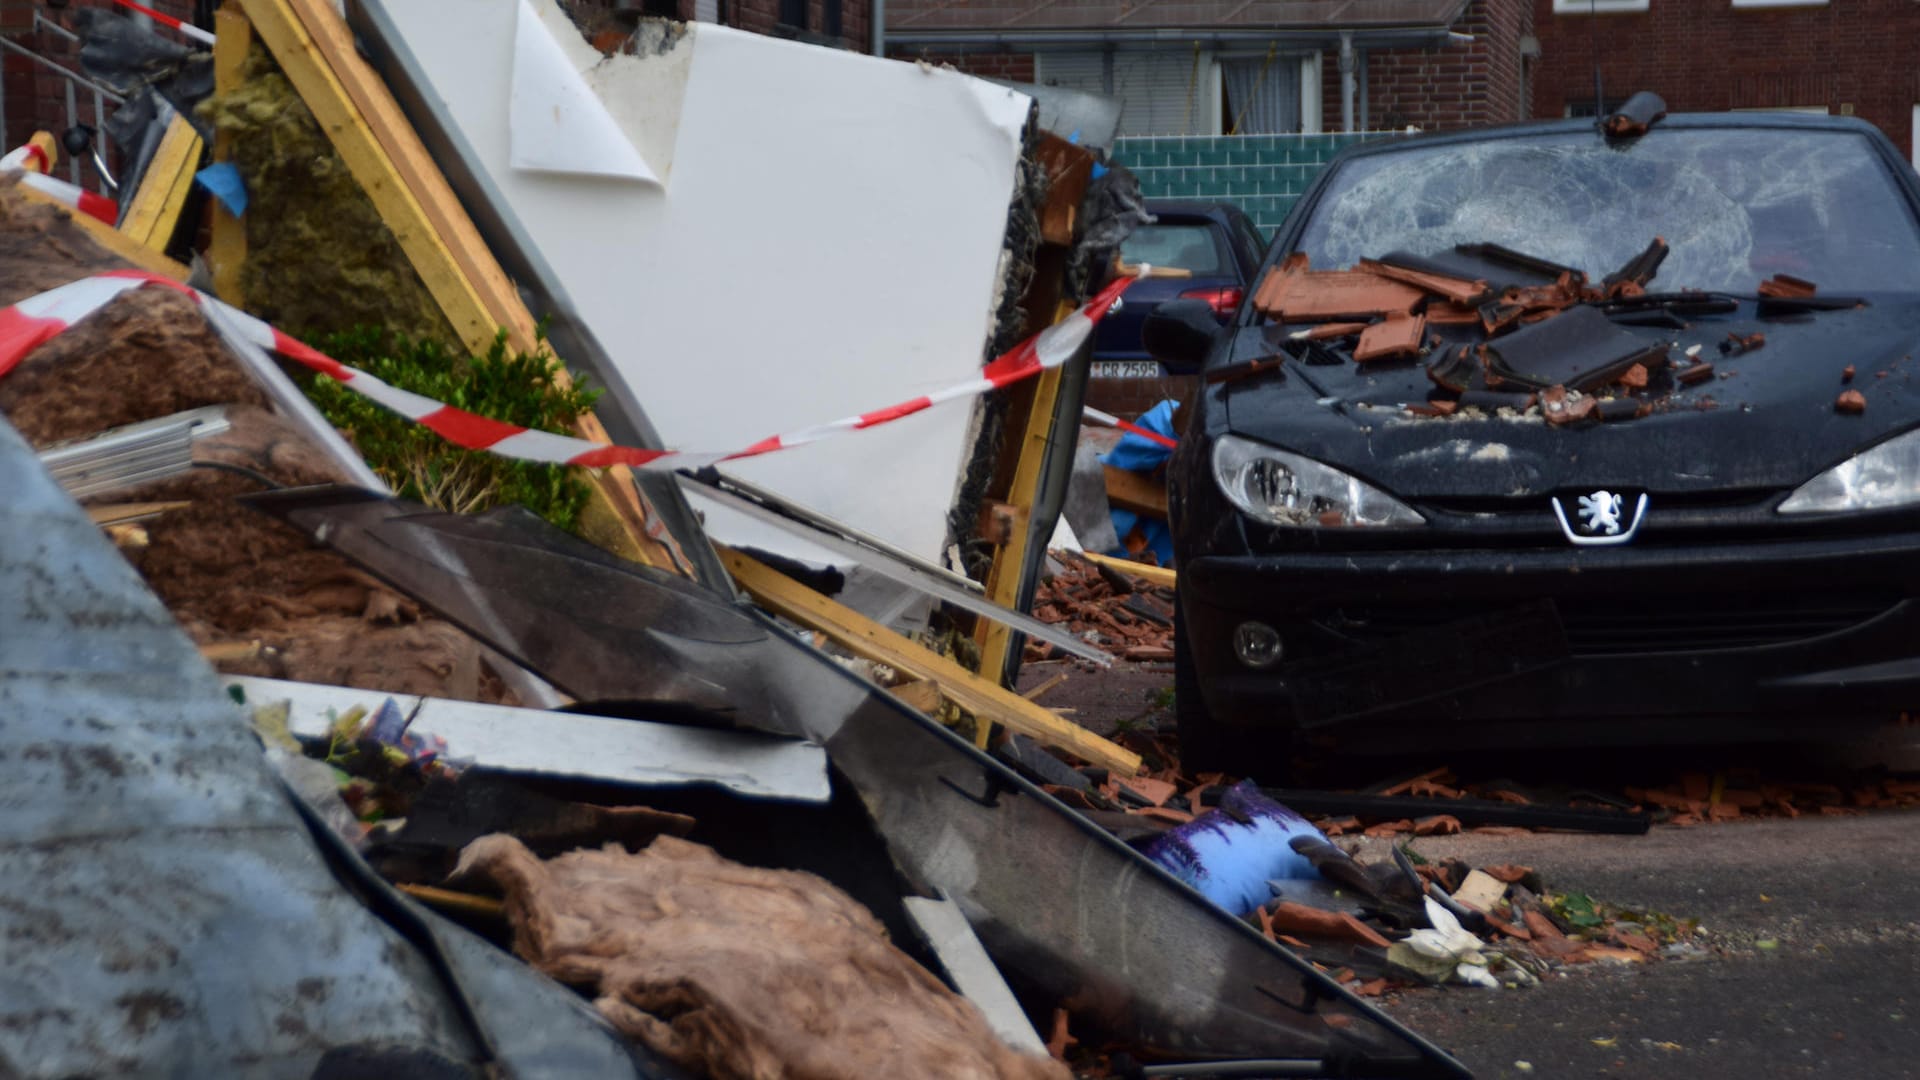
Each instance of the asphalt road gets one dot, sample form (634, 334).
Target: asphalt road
(1838, 994)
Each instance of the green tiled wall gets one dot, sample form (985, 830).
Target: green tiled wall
(1264, 174)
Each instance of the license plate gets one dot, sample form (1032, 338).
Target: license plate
(1126, 369)
(1428, 664)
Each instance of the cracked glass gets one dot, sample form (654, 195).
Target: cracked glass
(1737, 205)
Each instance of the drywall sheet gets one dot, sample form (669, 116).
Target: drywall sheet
(823, 240)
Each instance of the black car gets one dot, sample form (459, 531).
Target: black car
(1722, 545)
(1214, 242)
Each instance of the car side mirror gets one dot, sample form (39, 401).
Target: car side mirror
(1180, 334)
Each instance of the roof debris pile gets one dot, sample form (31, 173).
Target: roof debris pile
(1106, 607)
(751, 859)
(1524, 338)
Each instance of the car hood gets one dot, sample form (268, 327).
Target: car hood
(1767, 420)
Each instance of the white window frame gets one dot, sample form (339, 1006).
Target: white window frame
(1599, 7)
(1916, 138)
(1778, 3)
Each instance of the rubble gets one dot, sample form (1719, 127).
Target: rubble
(1100, 605)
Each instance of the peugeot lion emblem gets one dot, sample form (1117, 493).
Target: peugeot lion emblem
(1600, 517)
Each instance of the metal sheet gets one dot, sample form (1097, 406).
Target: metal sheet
(165, 909)
(1062, 907)
(570, 745)
(910, 572)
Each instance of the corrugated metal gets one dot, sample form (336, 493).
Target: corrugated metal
(1172, 91)
(1279, 15)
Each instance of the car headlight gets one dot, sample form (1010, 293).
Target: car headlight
(1279, 488)
(1882, 478)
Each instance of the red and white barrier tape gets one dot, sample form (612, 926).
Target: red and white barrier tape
(187, 28)
(32, 164)
(1111, 420)
(36, 320)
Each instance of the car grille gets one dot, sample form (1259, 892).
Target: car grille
(1668, 623)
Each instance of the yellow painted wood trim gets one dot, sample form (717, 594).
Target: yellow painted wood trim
(863, 637)
(384, 153)
(155, 209)
(227, 248)
(1153, 575)
(113, 239)
(1003, 581)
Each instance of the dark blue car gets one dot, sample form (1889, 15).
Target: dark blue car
(1217, 242)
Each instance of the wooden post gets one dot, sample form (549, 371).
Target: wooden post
(154, 212)
(227, 250)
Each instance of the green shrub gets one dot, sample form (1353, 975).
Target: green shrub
(513, 387)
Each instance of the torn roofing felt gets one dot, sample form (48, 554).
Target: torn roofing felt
(737, 298)
(164, 905)
(1064, 908)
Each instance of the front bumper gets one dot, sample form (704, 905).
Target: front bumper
(1709, 642)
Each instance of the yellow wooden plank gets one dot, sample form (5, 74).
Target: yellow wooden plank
(1152, 575)
(151, 215)
(227, 249)
(384, 153)
(987, 701)
(113, 239)
(1003, 581)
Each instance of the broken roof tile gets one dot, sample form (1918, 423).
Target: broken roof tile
(1786, 286)
(1580, 349)
(1852, 402)
(1293, 293)
(1396, 337)
(1456, 289)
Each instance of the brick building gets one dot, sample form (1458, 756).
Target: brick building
(1851, 59)
(1268, 67)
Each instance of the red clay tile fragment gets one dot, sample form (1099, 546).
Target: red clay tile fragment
(1635, 377)
(1436, 825)
(1292, 293)
(1434, 776)
(1852, 402)
(1396, 337)
(1695, 373)
(1456, 290)
(1846, 374)
(1787, 286)
(1507, 872)
(1540, 926)
(1330, 330)
(1389, 828)
(1509, 929)
(1301, 919)
(1156, 792)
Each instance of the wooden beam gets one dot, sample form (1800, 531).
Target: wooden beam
(987, 701)
(113, 239)
(386, 157)
(922, 695)
(1152, 575)
(154, 213)
(227, 249)
(1140, 494)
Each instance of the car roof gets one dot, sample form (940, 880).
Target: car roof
(1189, 208)
(1587, 124)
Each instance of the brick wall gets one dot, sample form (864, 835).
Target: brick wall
(763, 17)
(35, 95)
(1457, 85)
(1852, 57)
(1263, 174)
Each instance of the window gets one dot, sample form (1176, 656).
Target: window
(1598, 7)
(793, 13)
(1183, 247)
(1161, 91)
(1262, 95)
